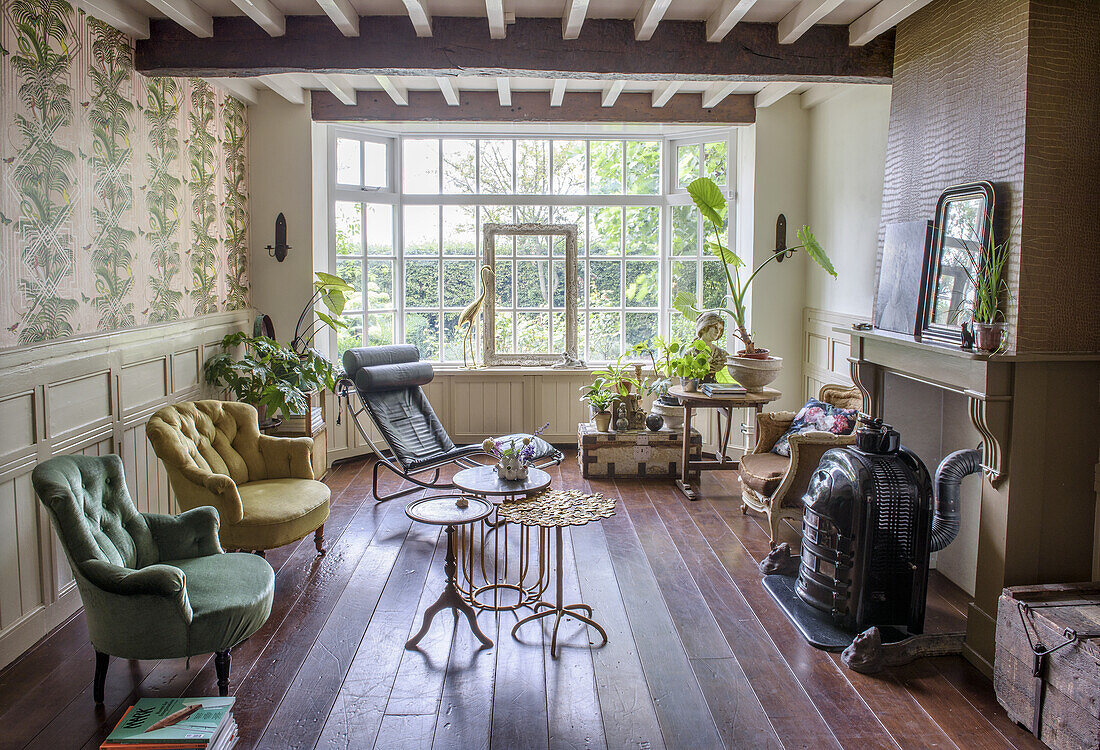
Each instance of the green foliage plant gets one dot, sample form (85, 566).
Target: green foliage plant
(269, 375)
(599, 395)
(332, 292)
(710, 201)
(620, 376)
(661, 354)
(693, 362)
(989, 279)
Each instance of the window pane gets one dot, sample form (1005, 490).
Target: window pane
(606, 283)
(379, 229)
(639, 327)
(570, 165)
(534, 244)
(606, 160)
(685, 231)
(458, 283)
(459, 237)
(687, 160)
(557, 344)
(380, 285)
(607, 226)
(422, 230)
(504, 283)
(349, 228)
(498, 215)
(533, 283)
(680, 328)
(683, 278)
(714, 283)
(375, 165)
(604, 336)
(571, 215)
(351, 271)
(532, 167)
(453, 338)
(348, 162)
(558, 285)
(504, 333)
(352, 336)
(533, 332)
(459, 167)
(643, 167)
(421, 165)
(641, 283)
(642, 230)
(714, 162)
(496, 167)
(379, 329)
(421, 283)
(422, 331)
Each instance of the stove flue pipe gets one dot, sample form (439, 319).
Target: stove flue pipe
(949, 476)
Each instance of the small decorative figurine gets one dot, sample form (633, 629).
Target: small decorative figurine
(462, 502)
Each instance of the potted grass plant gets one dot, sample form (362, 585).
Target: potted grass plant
(989, 284)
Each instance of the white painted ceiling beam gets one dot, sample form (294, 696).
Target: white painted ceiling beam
(802, 17)
(611, 93)
(286, 88)
(573, 19)
(187, 14)
(450, 91)
(343, 14)
(420, 17)
(494, 10)
(267, 16)
(396, 91)
(881, 17)
(819, 93)
(716, 93)
(664, 92)
(557, 92)
(773, 92)
(649, 15)
(240, 88)
(504, 92)
(725, 17)
(338, 85)
(122, 17)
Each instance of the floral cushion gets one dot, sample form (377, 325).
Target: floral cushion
(817, 416)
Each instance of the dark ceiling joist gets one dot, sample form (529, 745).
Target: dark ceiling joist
(580, 106)
(533, 47)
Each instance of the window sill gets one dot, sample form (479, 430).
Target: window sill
(513, 371)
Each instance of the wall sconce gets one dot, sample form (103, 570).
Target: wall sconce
(278, 251)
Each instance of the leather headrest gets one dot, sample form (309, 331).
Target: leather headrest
(372, 356)
(393, 377)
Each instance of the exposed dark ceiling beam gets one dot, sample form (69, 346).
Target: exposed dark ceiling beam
(579, 106)
(533, 47)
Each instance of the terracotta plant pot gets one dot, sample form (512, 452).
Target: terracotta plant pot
(989, 336)
(757, 354)
(753, 373)
(603, 421)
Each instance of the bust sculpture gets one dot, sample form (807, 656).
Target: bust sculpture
(711, 328)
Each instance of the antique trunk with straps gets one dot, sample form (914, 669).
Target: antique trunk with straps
(633, 453)
(1047, 668)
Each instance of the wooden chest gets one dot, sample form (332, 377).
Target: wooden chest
(1057, 695)
(633, 453)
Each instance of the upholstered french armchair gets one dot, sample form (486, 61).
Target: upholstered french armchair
(774, 484)
(263, 486)
(153, 586)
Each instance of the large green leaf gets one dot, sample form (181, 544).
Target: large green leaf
(709, 200)
(686, 305)
(724, 253)
(334, 323)
(815, 251)
(328, 281)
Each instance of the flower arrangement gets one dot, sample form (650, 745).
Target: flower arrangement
(513, 460)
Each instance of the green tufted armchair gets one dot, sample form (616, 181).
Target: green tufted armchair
(153, 586)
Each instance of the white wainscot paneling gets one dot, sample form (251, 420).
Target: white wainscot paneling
(825, 349)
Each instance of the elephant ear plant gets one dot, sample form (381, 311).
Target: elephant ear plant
(333, 292)
(711, 203)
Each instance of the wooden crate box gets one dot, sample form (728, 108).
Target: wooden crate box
(633, 453)
(1060, 705)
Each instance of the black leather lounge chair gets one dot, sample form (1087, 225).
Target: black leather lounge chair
(386, 383)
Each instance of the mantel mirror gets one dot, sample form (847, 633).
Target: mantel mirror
(531, 313)
(960, 232)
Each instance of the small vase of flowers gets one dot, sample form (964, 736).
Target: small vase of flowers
(513, 455)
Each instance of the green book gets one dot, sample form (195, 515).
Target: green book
(197, 729)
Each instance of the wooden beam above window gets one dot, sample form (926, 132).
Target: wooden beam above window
(534, 106)
(533, 47)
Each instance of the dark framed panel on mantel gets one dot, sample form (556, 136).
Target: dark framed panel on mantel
(960, 232)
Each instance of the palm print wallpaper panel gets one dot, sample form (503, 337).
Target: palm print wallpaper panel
(123, 199)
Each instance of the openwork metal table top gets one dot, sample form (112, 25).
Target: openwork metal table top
(557, 508)
(444, 511)
(483, 480)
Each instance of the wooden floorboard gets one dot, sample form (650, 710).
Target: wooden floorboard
(699, 655)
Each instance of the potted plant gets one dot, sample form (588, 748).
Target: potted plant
(269, 375)
(333, 292)
(661, 355)
(989, 283)
(692, 365)
(600, 397)
(752, 367)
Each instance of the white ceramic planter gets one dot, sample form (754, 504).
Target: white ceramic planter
(754, 374)
(511, 468)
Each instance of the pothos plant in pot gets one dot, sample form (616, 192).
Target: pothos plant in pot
(692, 365)
(753, 366)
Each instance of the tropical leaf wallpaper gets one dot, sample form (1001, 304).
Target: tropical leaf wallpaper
(123, 199)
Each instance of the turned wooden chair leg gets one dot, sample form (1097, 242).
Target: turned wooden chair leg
(221, 665)
(101, 662)
(319, 540)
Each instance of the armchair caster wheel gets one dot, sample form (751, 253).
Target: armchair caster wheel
(319, 541)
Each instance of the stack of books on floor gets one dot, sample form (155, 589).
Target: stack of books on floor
(175, 724)
(722, 389)
(305, 424)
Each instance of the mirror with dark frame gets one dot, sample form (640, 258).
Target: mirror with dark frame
(961, 231)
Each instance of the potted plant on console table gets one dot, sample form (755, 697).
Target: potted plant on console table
(752, 366)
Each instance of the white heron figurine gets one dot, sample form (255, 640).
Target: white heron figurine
(469, 315)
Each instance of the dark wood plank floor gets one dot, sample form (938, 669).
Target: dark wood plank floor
(699, 655)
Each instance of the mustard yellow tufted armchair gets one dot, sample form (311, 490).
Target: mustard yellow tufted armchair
(262, 486)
